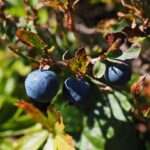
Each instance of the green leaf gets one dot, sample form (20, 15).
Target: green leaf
(92, 137)
(7, 105)
(53, 116)
(108, 124)
(115, 106)
(131, 53)
(16, 11)
(31, 39)
(114, 54)
(6, 144)
(32, 141)
(99, 69)
(13, 132)
(120, 25)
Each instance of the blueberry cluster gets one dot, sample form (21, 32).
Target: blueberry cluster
(42, 86)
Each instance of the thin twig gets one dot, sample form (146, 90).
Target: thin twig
(130, 7)
(61, 63)
(75, 4)
(84, 29)
(2, 16)
(21, 55)
(34, 16)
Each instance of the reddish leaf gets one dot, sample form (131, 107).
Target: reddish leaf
(36, 114)
(136, 32)
(147, 88)
(54, 121)
(133, 32)
(137, 87)
(112, 37)
(31, 39)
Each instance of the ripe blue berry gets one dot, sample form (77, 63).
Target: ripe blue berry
(41, 85)
(118, 73)
(76, 90)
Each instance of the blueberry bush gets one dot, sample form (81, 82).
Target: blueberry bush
(74, 75)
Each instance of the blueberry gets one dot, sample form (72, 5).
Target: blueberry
(118, 73)
(76, 90)
(41, 85)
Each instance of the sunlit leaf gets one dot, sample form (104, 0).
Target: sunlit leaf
(63, 142)
(80, 62)
(115, 106)
(54, 124)
(92, 137)
(131, 53)
(59, 142)
(32, 141)
(31, 39)
(49, 145)
(99, 69)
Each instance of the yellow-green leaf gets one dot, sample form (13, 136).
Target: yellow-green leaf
(63, 143)
(80, 62)
(144, 109)
(59, 142)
